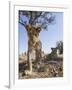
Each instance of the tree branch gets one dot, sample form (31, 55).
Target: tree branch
(30, 17)
(22, 24)
(36, 17)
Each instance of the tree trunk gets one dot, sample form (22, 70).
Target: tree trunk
(33, 34)
(29, 61)
(29, 58)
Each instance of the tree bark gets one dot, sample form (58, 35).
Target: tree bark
(29, 58)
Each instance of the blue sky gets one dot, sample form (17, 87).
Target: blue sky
(48, 38)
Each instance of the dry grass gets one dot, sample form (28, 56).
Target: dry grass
(47, 69)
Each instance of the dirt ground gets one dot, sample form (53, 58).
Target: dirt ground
(47, 69)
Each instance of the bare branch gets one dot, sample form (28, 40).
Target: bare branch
(36, 17)
(21, 23)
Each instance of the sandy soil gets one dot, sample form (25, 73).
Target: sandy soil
(47, 69)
